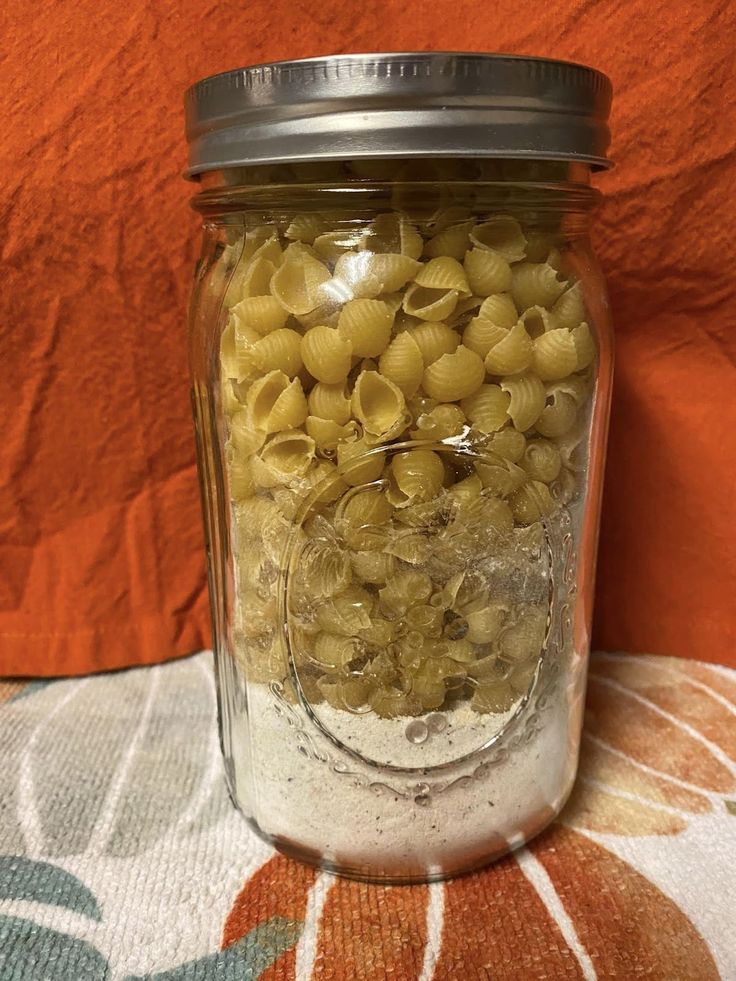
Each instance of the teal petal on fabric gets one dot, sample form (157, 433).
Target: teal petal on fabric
(31, 688)
(29, 952)
(41, 882)
(245, 960)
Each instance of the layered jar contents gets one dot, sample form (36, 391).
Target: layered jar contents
(405, 406)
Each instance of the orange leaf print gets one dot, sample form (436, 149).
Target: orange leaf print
(705, 675)
(496, 926)
(593, 808)
(369, 932)
(628, 927)
(278, 888)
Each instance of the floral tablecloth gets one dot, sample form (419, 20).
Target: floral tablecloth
(122, 858)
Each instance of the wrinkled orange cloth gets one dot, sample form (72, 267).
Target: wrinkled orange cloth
(101, 553)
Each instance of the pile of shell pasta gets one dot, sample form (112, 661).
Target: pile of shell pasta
(405, 405)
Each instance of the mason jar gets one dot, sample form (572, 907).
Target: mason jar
(401, 370)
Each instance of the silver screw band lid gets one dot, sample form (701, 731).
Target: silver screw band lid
(423, 104)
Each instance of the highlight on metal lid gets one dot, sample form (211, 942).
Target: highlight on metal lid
(416, 104)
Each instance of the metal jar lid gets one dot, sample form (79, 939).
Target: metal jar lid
(417, 104)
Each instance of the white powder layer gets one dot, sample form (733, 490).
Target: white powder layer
(343, 818)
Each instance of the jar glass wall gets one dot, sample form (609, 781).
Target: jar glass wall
(401, 377)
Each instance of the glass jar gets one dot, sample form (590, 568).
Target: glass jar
(401, 362)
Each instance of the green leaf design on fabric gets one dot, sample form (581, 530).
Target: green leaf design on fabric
(731, 806)
(245, 960)
(41, 882)
(29, 952)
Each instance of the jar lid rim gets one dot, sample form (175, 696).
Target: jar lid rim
(400, 104)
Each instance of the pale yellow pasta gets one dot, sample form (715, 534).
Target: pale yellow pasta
(480, 335)
(323, 482)
(446, 217)
(425, 619)
(535, 284)
(452, 241)
(375, 568)
(402, 363)
(454, 376)
(577, 386)
(486, 623)
(441, 422)
(304, 228)
(326, 355)
(274, 402)
(443, 273)
(429, 304)
(524, 638)
(245, 436)
(332, 651)
(466, 305)
(269, 249)
(331, 245)
(501, 478)
(538, 245)
(584, 345)
(555, 355)
(511, 354)
(378, 404)
(347, 613)
(509, 444)
(414, 549)
(298, 284)
(488, 272)
(500, 309)
(239, 476)
(365, 507)
(558, 415)
(487, 408)
(289, 453)
(392, 233)
(367, 325)
(527, 399)
(279, 351)
(419, 474)
(541, 460)
(330, 402)
(569, 309)
(368, 274)
(261, 313)
(483, 515)
(325, 567)
(434, 340)
(466, 490)
(327, 433)
(501, 234)
(381, 632)
(531, 502)
(406, 589)
(359, 463)
(537, 321)
(228, 351)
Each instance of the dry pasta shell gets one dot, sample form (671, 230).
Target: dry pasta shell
(480, 335)
(330, 402)
(434, 340)
(569, 309)
(367, 325)
(536, 284)
(239, 477)
(327, 356)
(577, 386)
(364, 507)
(347, 613)
(327, 434)
(228, 351)
(531, 502)
(443, 273)
(331, 245)
(558, 416)
(419, 474)
(375, 568)
(288, 453)
(391, 232)
(402, 363)
(466, 305)
(527, 399)
(260, 313)
(467, 490)
(542, 460)
(524, 637)
(280, 351)
(488, 272)
(487, 408)
(500, 309)
(377, 403)
(501, 478)
(429, 304)
(501, 234)
(304, 228)
(584, 345)
(511, 354)
(298, 284)
(245, 437)
(359, 463)
(537, 321)
(509, 444)
(555, 355)
(367, 274)
(538, 245)
(451, 241)
(275, 403)
(441, 422)
(454, 376)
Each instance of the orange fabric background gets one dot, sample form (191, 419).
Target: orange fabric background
(101, 558)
